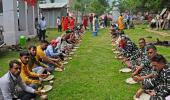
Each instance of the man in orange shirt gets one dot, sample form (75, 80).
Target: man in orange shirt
(30, 78)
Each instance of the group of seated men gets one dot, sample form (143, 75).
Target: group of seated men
(26, 74)
(149, 68)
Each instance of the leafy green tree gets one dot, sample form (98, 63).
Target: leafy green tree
(141, 5)
(96, 6)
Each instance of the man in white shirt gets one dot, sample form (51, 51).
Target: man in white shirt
(12, 87)
(43, 27)
(59, 24)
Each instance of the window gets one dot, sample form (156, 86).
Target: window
(1, 8)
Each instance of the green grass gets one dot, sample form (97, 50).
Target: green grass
(93, 74)
(166, 31)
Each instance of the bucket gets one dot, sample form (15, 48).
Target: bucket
(95, 33)
(22, 41)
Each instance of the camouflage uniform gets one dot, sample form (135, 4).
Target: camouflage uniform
(131, 52)
(145, 62)
(160, 84)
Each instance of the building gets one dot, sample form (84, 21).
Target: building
(17, 18)
(51, 11)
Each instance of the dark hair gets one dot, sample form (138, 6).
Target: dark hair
(151, 47)
(142, 39)
(36, 19)
(24, 53)
(12, 62)
(43, 18)
(32, 46)
(45, 41)
(159, 58)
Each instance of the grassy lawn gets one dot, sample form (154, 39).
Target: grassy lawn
(166, 31)
(93, 74)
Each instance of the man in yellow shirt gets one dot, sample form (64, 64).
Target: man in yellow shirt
(27, 76)
(120, 23)
(49, 61)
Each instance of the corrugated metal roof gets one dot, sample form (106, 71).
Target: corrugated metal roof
(57, 1)
(52, 5)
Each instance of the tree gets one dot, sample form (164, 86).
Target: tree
(96, 6)
(142, 5)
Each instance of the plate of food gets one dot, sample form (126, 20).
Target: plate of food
(70, 58)
(116, 52)
(50, 77)
(58, 69)
(125, 70)
(46, 88)
(120, 57)
(168, 97)
(116, 57)
(114, 44)
(65, 62)
(143, 96)
(74, 49)
(71, 53)
(113, 49)
(130, 81)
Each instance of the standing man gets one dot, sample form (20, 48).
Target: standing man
(85, 22)
(59, 24)
(120, 23)
(37, 26)
(105, 21)
(43, 27)
(10, 81)
(72, 23)
(91, 21)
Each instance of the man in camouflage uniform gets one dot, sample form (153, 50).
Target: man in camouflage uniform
(131, 52)
(161, 83)
(145, 69)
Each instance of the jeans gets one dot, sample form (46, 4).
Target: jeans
(38, 70)
(25, 95)
(50, 67)
(42, 35)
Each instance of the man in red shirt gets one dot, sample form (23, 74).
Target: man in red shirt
(91, 21)
(85, 22)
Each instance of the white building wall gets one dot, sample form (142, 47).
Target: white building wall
(1, 20)
(52, 14)
(10, 22)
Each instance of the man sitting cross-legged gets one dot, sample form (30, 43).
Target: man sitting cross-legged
(143, 66)
(145, 69)
(51, 62)
(129, 51)
(161, 83)
(34, 64)
(52, 52)
(11, 81)
(30, 78)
